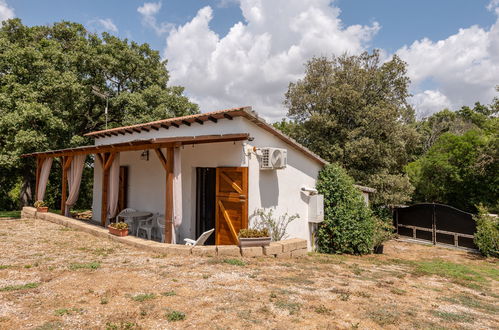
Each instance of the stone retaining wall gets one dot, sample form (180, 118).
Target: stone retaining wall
(289, 248)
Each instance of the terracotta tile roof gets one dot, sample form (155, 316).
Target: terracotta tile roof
(172, 122)
(214, 116)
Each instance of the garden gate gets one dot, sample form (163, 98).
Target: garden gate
(437, 223)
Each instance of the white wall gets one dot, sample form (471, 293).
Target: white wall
(276, 189)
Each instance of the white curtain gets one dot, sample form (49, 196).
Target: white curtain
(113, 187)
(43, 178)
(74, 180)
(177, 191)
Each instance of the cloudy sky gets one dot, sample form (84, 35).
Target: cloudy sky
(245, 52)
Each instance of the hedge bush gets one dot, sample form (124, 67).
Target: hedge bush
(349, 224)
(487, 233)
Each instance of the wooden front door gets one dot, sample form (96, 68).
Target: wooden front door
(123, 189)
(231, 204)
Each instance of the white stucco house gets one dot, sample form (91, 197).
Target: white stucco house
(278, 189)
(210, 170)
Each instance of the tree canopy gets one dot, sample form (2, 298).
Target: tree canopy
(354, 110)
(461, 165)
(46, 79)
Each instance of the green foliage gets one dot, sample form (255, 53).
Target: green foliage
(174, 316)
(47, 73)
(90, 265)
(143, 297)
(235, 262)
(486, 237)
(20, 287)
(383, 231)
(39, 204)
(348, 225)
(253, 233)
(119, 225)
(275, 226)
(459, 170)
(353, 110)
(10, 214)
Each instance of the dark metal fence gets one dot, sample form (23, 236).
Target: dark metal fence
(437, 223)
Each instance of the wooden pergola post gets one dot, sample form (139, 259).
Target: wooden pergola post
(107, 161)
(169, 195)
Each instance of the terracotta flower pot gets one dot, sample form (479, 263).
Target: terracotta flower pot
(257, 241)
(42, 209)
(118, 232)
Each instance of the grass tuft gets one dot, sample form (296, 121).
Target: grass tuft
(454, 317)
(20, 287)
(384, 316)
(174, 316)
(168, 293)
(143, 297)
(90, 265)
(291, 307)
(235, 262)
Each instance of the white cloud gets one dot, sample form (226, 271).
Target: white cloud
(148, 12)
(6, 12)
(105, 24)
(493, 6)
(465, 67)
(430, 101)
(254, 63)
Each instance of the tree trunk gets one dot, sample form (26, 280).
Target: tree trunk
(26, 195)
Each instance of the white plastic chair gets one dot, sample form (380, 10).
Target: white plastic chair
(160, 225)
(127, 220)
(147, 225)
(201, 240)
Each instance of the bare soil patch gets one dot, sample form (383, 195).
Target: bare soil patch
(52, 277)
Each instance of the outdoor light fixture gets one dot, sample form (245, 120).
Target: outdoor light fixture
(144, 155)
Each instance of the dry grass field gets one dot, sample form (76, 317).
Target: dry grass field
(52, 277)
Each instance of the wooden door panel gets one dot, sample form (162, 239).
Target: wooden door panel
(232, 182)
(231, 204)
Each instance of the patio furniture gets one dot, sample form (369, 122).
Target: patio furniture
(147, 225)
(134, 217)
(160, 225)
(126, 219)
(201, 240)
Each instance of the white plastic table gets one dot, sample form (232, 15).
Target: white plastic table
(136, 216)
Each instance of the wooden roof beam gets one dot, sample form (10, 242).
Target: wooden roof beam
(226, 115)
(185, 122)
(213, 119)
(199, 121)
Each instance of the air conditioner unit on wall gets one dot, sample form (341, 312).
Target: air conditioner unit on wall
(273, 158)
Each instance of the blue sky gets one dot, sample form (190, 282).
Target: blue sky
(253, 64)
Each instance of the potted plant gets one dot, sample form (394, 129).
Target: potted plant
(254, 237)
(383, 231)
(118, 229)
(41, 206)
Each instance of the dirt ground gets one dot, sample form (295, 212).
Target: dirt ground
(52, 277)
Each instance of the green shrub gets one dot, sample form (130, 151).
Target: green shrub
(348, 225)
(275, 225)
(487, 233)
(383, 231)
